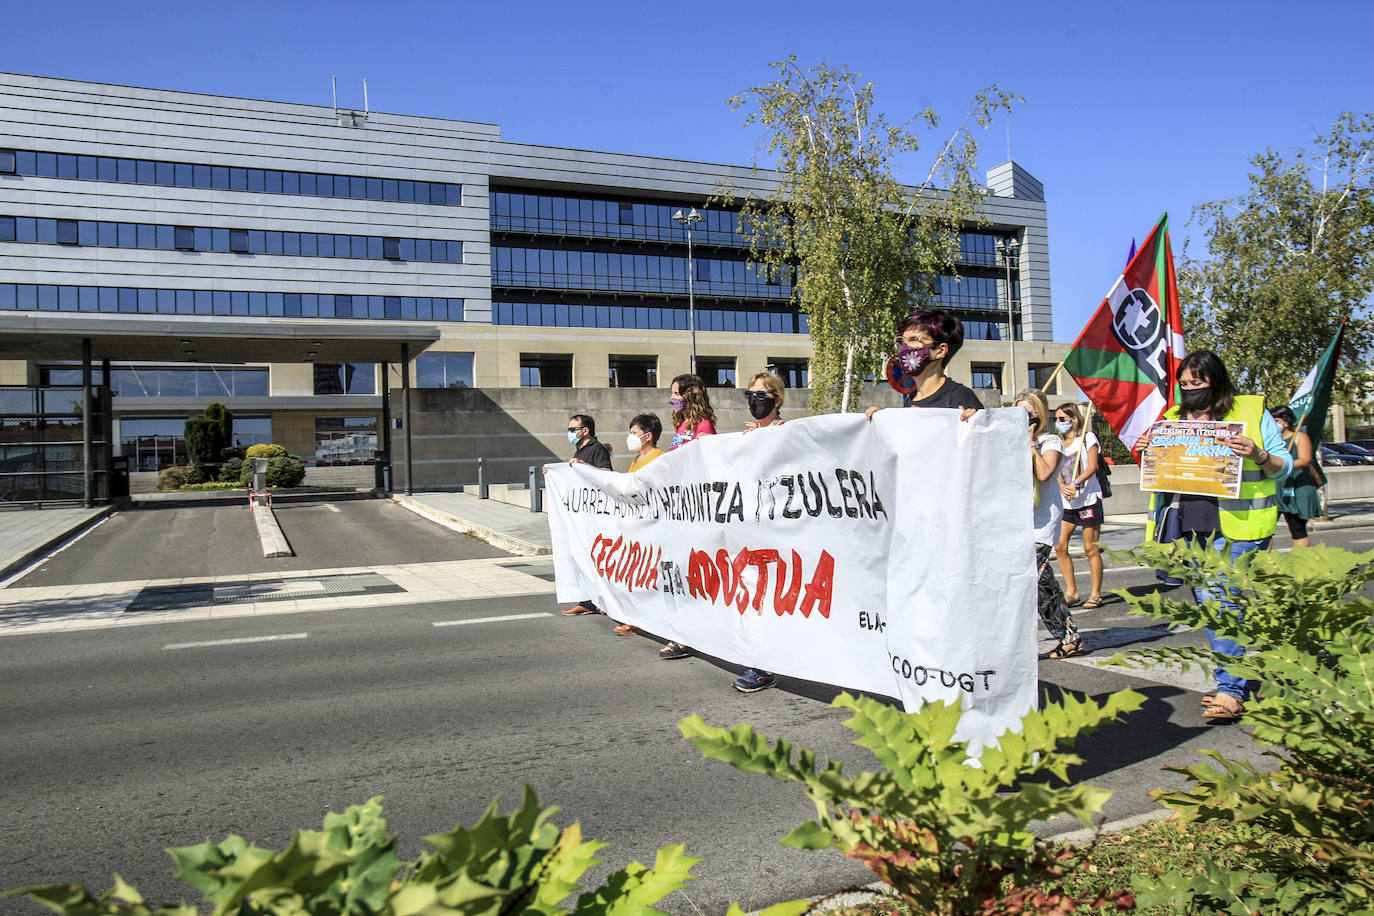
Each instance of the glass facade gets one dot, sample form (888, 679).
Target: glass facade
(545, 370)
(345, 378)
(603, 218)
(555, 268)
(443, 370)
(573, 315)
(128, 381)
(345, 439)
(231, 178)
(966, 293)
(102, 234)
(55, 298)
(633, 371)
(158, 442)
(717, 371)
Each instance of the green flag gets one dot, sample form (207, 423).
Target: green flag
(1313, 397)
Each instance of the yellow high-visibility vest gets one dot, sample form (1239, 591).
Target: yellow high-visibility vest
(1255, 513)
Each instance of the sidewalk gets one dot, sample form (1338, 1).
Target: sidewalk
(500, 524)
(27, 534)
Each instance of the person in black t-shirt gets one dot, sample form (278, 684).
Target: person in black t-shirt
(926, 342)
(582, 434)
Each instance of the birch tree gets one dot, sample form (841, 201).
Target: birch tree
(862, 249)
(1285, 262)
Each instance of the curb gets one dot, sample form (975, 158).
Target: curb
(270, 535)
(493, 537)
(20, 560)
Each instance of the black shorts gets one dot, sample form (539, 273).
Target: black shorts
(1087, 516)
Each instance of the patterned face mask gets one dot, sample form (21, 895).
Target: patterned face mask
(913, 359)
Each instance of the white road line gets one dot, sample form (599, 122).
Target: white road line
(234, 642)
(461, 623)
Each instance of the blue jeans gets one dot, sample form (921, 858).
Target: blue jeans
(1228, 683)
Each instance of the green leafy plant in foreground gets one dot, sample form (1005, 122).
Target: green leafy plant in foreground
(934, 824)
(518, 863)
(1312, 650)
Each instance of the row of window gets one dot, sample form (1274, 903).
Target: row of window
(554, 370)
(170, 382)
(546, 268)
(226, 178)
(104, 234)
(432, 370)
(591, 218)
(546, 214)
(562, 315)
(977, 293)
(54, 298)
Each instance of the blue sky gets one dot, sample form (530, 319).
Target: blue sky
(1131, 110)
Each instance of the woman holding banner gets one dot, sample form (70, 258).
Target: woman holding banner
(1046, 450)
(692, 419)
(1233, 527)
(765, 397)
(1082, 502)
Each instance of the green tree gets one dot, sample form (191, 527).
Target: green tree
(1286, 261)
(860, 247)
(208, 435)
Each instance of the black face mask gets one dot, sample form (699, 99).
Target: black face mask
(1196, 398)
(760, 404)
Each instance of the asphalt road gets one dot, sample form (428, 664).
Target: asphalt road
(116, 745)
(192, 539)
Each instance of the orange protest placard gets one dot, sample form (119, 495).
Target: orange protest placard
(1191, 456)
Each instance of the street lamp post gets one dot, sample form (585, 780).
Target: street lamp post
(1008, 249)
(688, 220)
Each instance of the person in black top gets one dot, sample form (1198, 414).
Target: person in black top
(590, 450)
(926, 342)
(582, 435)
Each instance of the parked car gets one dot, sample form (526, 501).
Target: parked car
(1350, 448)
(1364, 443)
(1333, 456)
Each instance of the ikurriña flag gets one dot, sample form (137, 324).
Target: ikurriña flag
(1313, 398)
(1126, 359)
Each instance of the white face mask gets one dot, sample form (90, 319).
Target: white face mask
(632, 442)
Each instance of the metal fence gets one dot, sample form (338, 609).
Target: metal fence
(41, 445)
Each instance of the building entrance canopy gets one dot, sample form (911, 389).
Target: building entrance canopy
(209, 340)
(140, 338)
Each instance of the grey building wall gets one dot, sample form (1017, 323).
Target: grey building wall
(38, 113)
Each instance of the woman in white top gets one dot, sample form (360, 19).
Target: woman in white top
(1082, 501)
(1046, 450)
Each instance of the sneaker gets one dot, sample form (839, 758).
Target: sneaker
(752, 681)
(674, 650)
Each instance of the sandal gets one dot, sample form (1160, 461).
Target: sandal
(1075, 601)
(674, 650)
(1093, 602)
(1068, 648)
(1225, 708)
(627, 629)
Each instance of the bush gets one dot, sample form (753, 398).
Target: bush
(265, 450)
(1312, 649)
(178, 476)
(516, 863)
(282, 471)
(942, 831)
(232, 471)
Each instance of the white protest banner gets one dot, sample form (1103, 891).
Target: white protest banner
(892, 556)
